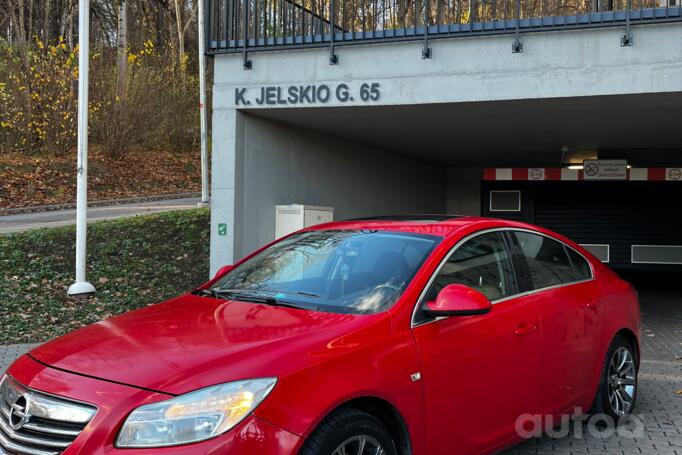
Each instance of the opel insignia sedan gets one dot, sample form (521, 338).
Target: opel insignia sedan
(404, 335)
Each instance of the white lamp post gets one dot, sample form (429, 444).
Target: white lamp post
(202, 106)
(81, 286)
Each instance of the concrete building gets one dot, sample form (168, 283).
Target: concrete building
(491, 109)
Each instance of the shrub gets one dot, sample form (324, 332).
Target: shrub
(158, 109)
(38, 100)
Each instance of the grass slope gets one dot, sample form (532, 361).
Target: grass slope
(132, 262)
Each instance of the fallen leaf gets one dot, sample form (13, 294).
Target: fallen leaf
(103, 280)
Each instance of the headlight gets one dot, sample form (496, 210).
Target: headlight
(194, 416)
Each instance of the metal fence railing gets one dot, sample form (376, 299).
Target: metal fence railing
(251, 25)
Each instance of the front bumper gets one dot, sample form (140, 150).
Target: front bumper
(115, 401)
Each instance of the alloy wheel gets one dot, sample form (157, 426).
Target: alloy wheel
(360, 445)
(622, 381)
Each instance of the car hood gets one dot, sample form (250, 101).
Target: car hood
(192, 342)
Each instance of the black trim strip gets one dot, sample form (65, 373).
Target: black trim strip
(100, 379)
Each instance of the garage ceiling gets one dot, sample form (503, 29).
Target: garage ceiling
(645, 129)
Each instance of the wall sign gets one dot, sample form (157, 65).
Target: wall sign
(294, 95)
(536, 173)
(605, 169)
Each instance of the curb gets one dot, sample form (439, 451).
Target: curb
(98, 203)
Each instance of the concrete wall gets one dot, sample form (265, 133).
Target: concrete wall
(463, 190)
(552, 65)
(278, 164)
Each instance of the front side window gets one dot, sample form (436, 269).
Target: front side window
(344, 271)
(547, 260)
(481, 263)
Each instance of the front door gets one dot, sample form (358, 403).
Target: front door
(479, 373)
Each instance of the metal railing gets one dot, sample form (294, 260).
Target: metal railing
(252, 25)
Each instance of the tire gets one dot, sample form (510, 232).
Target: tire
(349, 426)
(618, 385)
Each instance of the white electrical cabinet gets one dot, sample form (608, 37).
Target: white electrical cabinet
(292, 217)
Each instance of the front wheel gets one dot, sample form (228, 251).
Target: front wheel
(618, 387)
(350, 432)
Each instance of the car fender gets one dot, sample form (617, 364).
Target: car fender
(375, 363)
(621, 312)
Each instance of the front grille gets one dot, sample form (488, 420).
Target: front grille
(34, 423)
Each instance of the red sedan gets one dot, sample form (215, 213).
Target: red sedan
(408, 335)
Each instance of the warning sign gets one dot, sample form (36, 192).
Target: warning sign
(605, 170)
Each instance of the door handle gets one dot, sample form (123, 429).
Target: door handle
(525, 329)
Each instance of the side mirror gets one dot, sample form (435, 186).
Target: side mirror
(223, 270)
(458, 300)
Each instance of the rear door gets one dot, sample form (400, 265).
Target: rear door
(479, 373)
(569, 303)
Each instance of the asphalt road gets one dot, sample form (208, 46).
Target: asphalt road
(28, 221)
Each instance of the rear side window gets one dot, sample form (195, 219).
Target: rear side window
(547, 260)
(581, 268)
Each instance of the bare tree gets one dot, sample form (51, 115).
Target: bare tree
(22, 26)
(66, 21)
(46, 20)
(122, 49)
(180, 7)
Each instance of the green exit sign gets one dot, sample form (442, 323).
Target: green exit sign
(222, 229)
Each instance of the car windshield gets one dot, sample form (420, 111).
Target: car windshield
(342, 271)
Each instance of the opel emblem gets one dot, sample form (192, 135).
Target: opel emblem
(19, 413)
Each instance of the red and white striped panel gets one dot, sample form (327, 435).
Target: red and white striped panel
(672, 174)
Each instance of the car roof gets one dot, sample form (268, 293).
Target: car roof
(439, 224)
(444, 226)
(417, 218)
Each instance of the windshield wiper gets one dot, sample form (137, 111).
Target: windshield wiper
(244, 296)
(277, 302)
(308, 294)
(272, 301)
(207, 292)
(215, 293)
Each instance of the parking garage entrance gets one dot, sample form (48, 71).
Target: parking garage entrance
(444, 158)
(634, 224)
